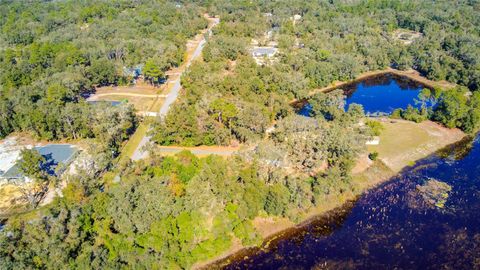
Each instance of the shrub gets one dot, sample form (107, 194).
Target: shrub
(396, 114)
(414, 114)
(375, 126)
(373, 156)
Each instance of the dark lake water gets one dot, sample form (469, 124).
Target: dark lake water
(380, 94)
(392, 226)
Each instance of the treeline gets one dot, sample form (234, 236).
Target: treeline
(454, 108)
(341, 39)
(54, 53)
(171, 212)
(229, 98)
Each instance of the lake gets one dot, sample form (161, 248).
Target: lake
(380, 94)
(393, 226)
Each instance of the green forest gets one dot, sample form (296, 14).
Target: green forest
(173, 212)
(53, 53)
(334, 41)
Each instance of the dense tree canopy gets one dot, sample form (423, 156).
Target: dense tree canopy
(53, 53)
(171, 212)
(333, 40)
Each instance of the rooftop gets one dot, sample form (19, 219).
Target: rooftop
(257, 51)
(54, 153)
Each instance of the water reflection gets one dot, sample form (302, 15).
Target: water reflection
(379, 95)
(391, 227)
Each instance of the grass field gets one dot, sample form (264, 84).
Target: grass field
(140, 88)
(156, 105)
(134, 141)
(403, 142)
(140, 103)
(10, 195)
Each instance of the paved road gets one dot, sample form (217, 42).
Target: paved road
(172, 96)
(139, 152)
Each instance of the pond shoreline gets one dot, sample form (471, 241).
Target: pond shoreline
(409, 74)
(379, 173)
(323, 214)
(376, 175)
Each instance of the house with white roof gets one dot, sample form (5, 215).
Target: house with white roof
(264, 55)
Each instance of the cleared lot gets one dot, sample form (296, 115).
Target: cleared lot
(403, 142)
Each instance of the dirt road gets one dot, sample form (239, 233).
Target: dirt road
(95, 97)
(172, 96)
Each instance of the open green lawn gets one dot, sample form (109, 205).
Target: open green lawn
(403, 142)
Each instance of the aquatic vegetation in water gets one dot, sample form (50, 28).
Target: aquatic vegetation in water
(434, 192)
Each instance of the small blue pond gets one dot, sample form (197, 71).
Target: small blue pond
(379, 94)
(111, 102)
(54, 154)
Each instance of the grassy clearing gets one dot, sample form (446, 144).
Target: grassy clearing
(156, 105)
(134, 141)
(404, 142)
(10, 200)
(140, 87)
(140, 103)
(374, 175)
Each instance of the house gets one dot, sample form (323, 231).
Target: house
(57, 157)
(264, 52)
(263, 55)
(133, 72)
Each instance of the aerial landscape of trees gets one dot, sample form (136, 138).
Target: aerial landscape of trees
(333, 41)
(55, 53)
(172, 212)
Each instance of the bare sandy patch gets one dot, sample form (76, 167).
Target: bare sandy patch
(267, 226)
(363, 163)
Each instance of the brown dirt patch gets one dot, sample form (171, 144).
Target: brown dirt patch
(136, 89)
(267, 226)
(363, 163)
